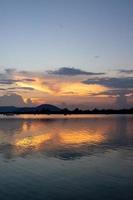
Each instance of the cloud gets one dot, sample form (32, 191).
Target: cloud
(120, 88)
(20, 88)
(96, 56)
(12, 81)
(126, 71)
(124, 82)
(28, 80)
(13, 100)
(65, 85)
(70, 71)
(10, 70)
(7, 81)
(115, 92)
(121, 101)
(11, 76)
(27, 73)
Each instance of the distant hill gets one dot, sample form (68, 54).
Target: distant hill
(7, 109)
(49, 107)
(39, 109)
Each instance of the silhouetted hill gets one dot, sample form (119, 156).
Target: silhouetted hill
(44, 108)
(48, 107)
(7, 109)
(51, 109)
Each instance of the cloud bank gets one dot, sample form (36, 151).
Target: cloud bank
(11, 100)
(124, 82)
(66, 86)
(126, 71)
(71, 71)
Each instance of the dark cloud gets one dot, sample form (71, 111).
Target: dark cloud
(12, 81)
(126, 71)
(20, 88)
(7, 81)
(121, 96)
(96, 56)
(10, 70)
(116, 92)
(66, 71)
(120, 88)
(124, 82)
(28, 79)
(26, 73)
(7, 77)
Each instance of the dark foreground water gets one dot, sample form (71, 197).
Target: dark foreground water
(66, 158)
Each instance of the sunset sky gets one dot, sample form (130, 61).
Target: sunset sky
(71, 53)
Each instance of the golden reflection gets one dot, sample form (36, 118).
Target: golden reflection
(25, 127)
(62, 138)
(32, 141)
(44, 134)
(79, 138)
(55, 135)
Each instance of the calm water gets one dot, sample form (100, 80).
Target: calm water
(64, 158)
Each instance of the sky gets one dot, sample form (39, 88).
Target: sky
(66, 52)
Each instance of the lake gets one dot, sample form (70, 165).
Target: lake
(81, 157)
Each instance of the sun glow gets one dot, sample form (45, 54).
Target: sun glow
(51, 89)
(80, 89)
(65, 88)
(37, 85)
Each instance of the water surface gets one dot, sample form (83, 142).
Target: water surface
(82, 157)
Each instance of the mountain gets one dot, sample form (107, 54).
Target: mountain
(51, 109)
(39, 109)
(48, 107)
(6, 109)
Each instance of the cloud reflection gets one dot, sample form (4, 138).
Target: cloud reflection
(64, 138)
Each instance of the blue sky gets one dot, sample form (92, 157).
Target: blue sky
(94, 35)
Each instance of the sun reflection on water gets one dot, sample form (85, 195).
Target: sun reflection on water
(63, 138)
(50, 136)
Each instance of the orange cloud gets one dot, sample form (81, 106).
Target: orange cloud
(57, 89)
